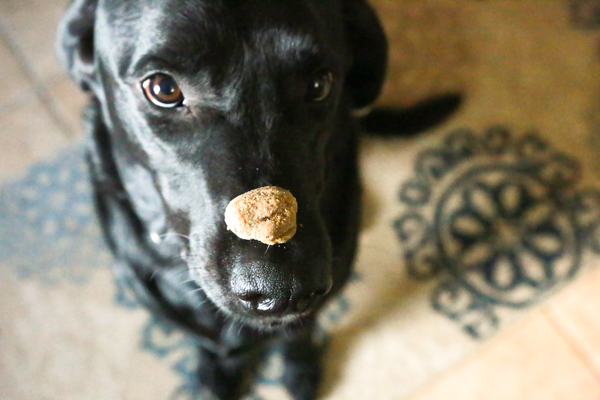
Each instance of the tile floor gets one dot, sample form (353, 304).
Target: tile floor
(39, 113)
(39, 106)
(551, 354)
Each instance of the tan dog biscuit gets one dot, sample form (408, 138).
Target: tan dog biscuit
(266, 214)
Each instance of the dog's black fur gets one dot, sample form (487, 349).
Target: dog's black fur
(163, 176)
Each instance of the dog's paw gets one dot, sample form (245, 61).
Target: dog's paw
(302, 380)
(224, 378)
(302, 369)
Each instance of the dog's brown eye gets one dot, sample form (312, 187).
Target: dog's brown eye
(162, 90)
(319, 86)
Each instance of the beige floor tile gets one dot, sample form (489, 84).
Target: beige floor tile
(576, 312)
(14, 81)
(27, 134)
(68, 102)
(31, 25)
(532, 362)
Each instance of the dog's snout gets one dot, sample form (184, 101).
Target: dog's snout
(282, 280)
(271, 290)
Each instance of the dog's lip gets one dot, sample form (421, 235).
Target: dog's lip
(289, 319)
(270, 321)
(286, 321)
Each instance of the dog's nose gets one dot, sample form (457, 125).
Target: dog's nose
(264, 304)
(261, 303)
(283, 280)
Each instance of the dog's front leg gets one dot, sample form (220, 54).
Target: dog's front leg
(302, 364)
(226, 376)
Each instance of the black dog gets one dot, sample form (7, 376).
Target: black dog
(197, 101)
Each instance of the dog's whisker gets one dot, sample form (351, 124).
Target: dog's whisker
(181, 272)
(201, 303)
(189, 280)
(171, 233)
(153, 274)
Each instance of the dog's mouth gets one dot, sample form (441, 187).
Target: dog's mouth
(275, 301)
(287, 322)
(270, 313)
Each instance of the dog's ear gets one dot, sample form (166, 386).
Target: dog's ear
(75, 41)
(368, 45)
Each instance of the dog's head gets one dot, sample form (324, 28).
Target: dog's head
(208, 99)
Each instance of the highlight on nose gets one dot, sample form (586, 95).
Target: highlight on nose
(266, 214)
(273, 304)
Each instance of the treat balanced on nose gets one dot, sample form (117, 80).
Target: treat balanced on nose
(266, 214)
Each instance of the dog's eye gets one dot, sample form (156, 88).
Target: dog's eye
(319, 86)
(162, 90)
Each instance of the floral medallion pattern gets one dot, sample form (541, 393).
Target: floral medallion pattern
(500, 219)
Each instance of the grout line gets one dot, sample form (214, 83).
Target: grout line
(40, 88)
(569, 333)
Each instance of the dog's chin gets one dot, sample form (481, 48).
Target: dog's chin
(264, 323)
(267, 324)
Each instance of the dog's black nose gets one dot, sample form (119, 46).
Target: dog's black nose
(264, 304)
(281, 280)
(272, 304)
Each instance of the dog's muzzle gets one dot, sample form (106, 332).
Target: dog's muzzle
(276, 284)
(279, 296)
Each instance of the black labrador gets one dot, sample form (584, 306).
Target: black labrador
(194, 102)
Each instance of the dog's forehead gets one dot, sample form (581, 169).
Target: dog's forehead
(219, 28)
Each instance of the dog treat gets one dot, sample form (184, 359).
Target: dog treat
(266, 214)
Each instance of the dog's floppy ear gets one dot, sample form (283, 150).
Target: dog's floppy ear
(368, 45)
(75, 41)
